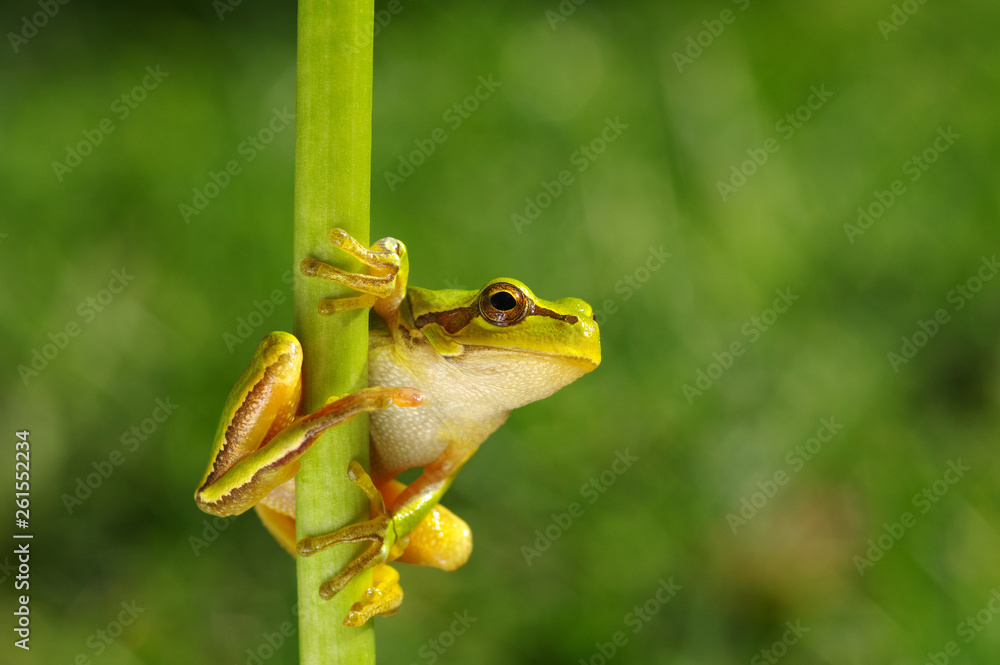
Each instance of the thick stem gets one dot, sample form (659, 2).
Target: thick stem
(332, 188)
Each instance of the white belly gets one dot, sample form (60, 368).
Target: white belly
(404, 438)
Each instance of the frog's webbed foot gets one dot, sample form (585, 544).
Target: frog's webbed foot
(384, 546)
(382, 598)
(386, 279)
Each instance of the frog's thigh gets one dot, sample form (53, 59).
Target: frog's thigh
(442, 540)
(277, 512)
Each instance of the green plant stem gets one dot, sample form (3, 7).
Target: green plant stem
(332, 188)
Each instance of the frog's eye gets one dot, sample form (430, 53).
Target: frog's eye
(503, 304)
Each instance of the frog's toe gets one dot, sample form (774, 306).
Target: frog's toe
(373, 530)
(379, 531)
(383, 259)
(384, 255)
(331, 306)
(382, 598)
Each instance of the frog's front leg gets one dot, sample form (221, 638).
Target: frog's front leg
(442, 540)
(388, 529)
(383, 288)
(259, 441)
(377, 530)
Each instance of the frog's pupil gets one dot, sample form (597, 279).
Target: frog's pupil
(503, 301)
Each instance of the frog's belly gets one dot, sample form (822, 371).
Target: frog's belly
(455, 410)
(403, 438)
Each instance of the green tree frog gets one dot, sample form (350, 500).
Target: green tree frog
(458, 362)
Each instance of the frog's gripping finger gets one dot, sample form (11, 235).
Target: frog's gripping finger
(375, 285)
(329, 306)
(383, 256)
(378, 530)
(385, 280)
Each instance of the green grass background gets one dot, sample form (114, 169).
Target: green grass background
(656, 185)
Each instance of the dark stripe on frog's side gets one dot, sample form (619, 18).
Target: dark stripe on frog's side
(541, 311)
(239, 429)
(453, 320)
(223, 506)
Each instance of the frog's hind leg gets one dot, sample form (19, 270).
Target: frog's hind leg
(234, 489)
(277, 512)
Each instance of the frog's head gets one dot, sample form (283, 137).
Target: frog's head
(504, 333)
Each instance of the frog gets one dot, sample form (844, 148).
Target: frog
(445, 370)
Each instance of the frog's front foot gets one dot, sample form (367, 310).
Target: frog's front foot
(385, 546)
(385, 260)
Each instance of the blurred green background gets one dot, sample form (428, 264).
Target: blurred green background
(671, 515)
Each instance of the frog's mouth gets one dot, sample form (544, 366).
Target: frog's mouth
(514, 377)
(504, 358)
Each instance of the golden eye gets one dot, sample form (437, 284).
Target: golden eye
(503, 304)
